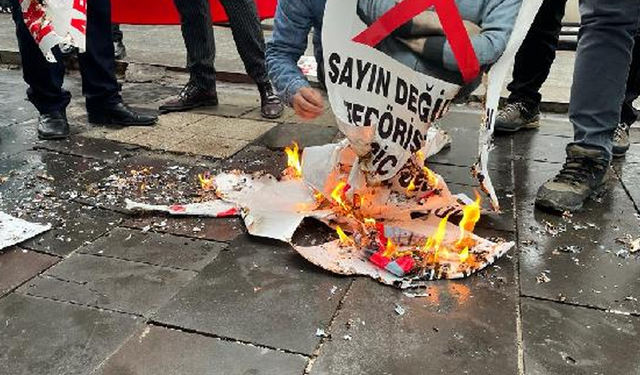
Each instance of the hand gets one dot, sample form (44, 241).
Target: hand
(308, 103)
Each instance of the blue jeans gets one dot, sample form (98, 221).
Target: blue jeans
(605, 45)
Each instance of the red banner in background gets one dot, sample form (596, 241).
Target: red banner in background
(163, 12)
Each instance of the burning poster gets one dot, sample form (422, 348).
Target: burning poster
(393, 216)
(14, 231)
(56, 22)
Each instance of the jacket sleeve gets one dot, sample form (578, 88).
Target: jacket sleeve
(489, 45)
(292, 24)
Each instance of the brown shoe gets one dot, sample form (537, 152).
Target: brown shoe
(191, 97)
(271, 104)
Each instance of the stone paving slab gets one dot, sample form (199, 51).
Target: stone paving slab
(255, 158)
(155, 350)
(46, 337)
(305, 135)
(213, 229)
(566, 340)
(17, 138)
(534, 147)
(578, 254)
(11, 82)
(453, 327)
(155, 248)
(92, 148)
(19, 265)
(260, 292)
(630, 176)
(113, 284)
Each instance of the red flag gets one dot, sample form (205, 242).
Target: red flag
(163, 12)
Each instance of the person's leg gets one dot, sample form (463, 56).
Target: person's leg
(601, 70)
(628, 113)
(45, 79)
(97, 64)
(197, 32)
(536, 55)
(531, 69)
(247, 34)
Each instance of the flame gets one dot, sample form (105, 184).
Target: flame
(435, 242)
(318, 196)
(420, 155)
(470, 217)
(390, 250)
(338, 194)
(412, 185)
(432, 178)
(370, 222)
(294, 167)
(344, 239)
(464, 255)
(206, 181)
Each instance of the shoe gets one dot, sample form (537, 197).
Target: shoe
(120, 50)
(621, 142)
(582, 176)
(121, 114)
(515, 117)
(53, 125)
(271, 105)
(191, 97)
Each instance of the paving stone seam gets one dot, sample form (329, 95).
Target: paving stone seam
(117, 349)
(47, 148)
(158, 231)
(156, 323)
(86, 306)
(317, 352)
(626, 190)
(581, 305)
(174, 268)
(519, 322)
(239, 117)
(12, 290)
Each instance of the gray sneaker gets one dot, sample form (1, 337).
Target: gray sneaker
(514, 117)
(621, 142)
(582, 176)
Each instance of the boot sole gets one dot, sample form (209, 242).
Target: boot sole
(620, 153)
(52, 137)
(554, 207)
(528, 126)
(163, 109)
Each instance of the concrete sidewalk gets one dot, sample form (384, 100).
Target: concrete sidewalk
(106, 292)
(163, 46)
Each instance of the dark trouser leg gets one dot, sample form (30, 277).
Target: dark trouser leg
(97, 64)
(44, 79)
(629, 114)
(197, 33)
(602, 68)
(245, 26)
(535, 57)
(116, 32)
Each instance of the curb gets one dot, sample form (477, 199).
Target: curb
(13, 58)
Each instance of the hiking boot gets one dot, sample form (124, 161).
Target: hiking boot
(514, 117)
(271, 106)
(583, 174)
(621, 142)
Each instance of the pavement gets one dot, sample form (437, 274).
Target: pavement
(111, 293)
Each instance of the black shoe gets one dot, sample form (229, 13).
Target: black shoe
(621, 142)
(582, 176)
(53, 125)
(515, 117)
(270, 103)
(120, 114)
(120, 50)
(191, 97)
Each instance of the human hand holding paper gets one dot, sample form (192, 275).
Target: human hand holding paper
(308, 103)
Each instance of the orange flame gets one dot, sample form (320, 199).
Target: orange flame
(370, 222)
(420, 155)
(390, 249)
(338, 195)
(294, 166)
(412, 185)
(470, 217)
(344, 239)
(464, 255)
(206, 181)
(432, 178)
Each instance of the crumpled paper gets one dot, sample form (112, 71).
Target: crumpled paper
(14, 231)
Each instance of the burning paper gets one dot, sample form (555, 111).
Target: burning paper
(14, 231)
(391, 213)
(56, 22)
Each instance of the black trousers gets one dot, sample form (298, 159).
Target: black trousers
(198, 37)
(535, 57)
(97, 65)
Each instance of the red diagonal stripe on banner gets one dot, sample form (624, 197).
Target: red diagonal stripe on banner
(451, 24)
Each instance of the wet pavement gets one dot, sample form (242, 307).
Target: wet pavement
(110, 293)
